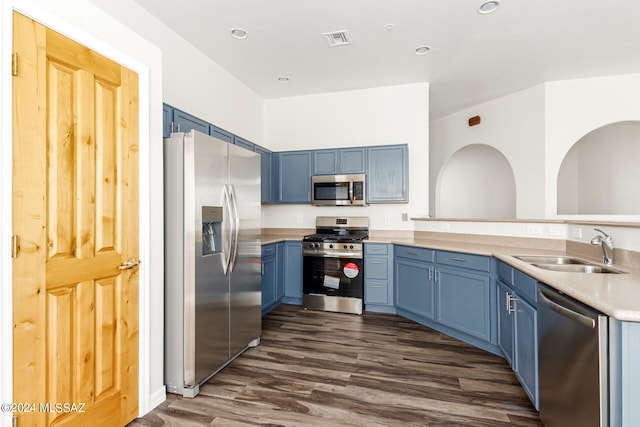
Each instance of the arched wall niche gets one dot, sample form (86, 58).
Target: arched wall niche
(477, 181)
(600, 173)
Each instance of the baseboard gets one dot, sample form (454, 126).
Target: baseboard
(157, 398)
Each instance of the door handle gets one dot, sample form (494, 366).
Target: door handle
(129, 264)
(236, 228)
(227, 231)
(566, 312)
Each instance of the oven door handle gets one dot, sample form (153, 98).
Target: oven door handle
(353, 255)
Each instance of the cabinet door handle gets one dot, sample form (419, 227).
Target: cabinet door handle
(412, 253)
(437, 276)
(510, 298)
(268, 250)
(455, 258)
(376, 262)
(430, 273)
(376, 286)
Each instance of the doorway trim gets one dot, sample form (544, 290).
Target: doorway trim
(49, 19)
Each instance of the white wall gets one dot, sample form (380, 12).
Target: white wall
(386, 115)
(514, 125)
(574, 108)
(191, 81)
(605, 179)
(476, 182)
(84, 22)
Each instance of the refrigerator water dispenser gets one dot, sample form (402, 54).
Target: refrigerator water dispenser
(211, 230)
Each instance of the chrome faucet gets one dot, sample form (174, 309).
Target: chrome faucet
(607, 246)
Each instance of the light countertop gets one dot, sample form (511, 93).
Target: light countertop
(616, 295)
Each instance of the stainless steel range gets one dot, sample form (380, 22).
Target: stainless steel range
(333, 267)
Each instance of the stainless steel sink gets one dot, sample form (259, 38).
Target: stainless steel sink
(567, 264)
(579, 268)
(544, 259)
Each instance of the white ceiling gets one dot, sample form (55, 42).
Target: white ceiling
(473, 58)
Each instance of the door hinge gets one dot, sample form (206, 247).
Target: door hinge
(14, 64)
(14, 421)
(15, 246)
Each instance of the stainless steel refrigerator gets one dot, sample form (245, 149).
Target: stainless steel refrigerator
(212, 257)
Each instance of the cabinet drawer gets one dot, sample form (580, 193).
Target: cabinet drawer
(376, 249)
(269, 250)
(376, 292)
(419, 254)
(525, 285)
(376, 268)
(505, 272)
(457, 259)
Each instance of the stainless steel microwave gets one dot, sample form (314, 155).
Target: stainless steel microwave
(338, 190)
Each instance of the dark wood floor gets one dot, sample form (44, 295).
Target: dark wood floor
(328, 369)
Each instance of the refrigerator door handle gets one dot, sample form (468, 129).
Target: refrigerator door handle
(236, 228)
(227, 244)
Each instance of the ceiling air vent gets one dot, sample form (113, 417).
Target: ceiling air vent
(337, 38)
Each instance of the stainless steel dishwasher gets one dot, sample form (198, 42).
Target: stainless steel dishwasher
(572, 362)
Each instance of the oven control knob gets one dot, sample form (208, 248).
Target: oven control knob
(316, 245)
(330, 246)
(350, 246)
(346, 247)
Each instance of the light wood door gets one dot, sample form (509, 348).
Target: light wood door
(75, 212)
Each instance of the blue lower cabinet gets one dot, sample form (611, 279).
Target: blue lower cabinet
(282, 263)
(451, 292)
(378, 278)
(414, 286)
(464, 303)
(506, 320)
(293, 273)
(281, 274)
(269, 277)
(526, 348)
(518, 326)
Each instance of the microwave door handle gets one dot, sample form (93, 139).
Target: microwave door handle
(351, 192)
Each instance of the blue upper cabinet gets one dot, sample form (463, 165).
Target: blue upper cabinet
(387, 174)
(244, 143)
(184, 122)
(325, 162)
(339, 161)
(352, 160)
(221, 134)
(167, 120)
(294, 176)
(265, 173)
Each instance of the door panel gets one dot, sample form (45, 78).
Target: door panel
(244, 293)
(208, 313)
(75, 126)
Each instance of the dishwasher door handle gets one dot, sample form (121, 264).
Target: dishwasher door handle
(580, 318)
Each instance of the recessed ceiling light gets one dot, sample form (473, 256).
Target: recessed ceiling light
(422, 50)
(489, 6)
(238, 33)
(283, 79)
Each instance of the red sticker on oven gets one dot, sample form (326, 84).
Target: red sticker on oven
(351, 270)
